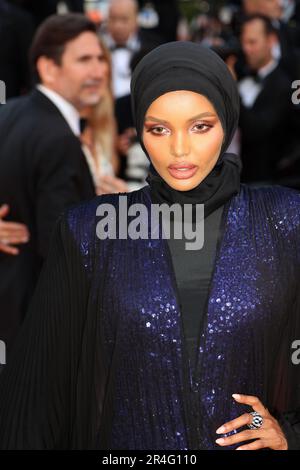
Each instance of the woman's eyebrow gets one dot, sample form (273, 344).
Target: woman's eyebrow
(199, 116)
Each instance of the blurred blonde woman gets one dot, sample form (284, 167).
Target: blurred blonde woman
(99, 139)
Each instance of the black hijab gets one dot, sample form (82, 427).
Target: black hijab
(183, 65)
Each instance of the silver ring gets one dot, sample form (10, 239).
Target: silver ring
(257, 420)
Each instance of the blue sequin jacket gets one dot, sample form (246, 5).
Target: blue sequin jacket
(101, 360)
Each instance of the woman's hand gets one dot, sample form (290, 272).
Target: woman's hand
(269, 435)
(11, 233)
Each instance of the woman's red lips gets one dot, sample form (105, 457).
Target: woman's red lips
(182, 170)
(181, 165)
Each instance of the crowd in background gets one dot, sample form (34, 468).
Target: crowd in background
(66, 129)
(263, 54)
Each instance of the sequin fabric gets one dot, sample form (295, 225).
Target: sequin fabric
(150, 397)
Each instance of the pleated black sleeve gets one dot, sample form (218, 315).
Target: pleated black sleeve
(38, 384)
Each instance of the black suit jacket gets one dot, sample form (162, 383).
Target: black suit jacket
(16, 32)
(169, 15)
(42, 171)
(269, 129)
(290, 53)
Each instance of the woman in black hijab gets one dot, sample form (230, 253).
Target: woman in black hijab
(136, 342)
(186, 66)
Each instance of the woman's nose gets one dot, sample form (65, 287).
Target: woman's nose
(180, 145)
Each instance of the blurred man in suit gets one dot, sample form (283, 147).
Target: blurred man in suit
(124, 38)
(286, 47)
(42, 166)
(268, 120)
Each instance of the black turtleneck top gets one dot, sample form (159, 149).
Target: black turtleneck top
(193, 272)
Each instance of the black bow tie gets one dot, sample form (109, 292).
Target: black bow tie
(82, 124)
(256, 77)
